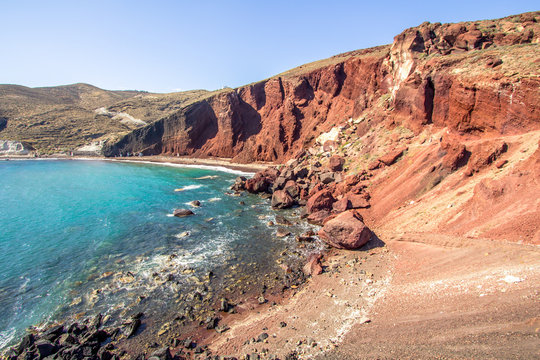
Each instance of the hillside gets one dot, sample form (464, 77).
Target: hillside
(417, 163)
(65, 118)
(433, 144)
(464, 76)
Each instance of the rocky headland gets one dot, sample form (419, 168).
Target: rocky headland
(419, 163)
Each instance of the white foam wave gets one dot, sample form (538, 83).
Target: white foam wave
(189, 187)
(214, 199)
(190, 166)
(6, 337)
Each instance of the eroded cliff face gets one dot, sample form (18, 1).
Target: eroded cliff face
(479, 77)
(269, 120)
(472, 77)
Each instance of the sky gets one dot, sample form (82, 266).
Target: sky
(166, 46)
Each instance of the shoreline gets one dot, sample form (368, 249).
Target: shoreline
(244, 304)
(218, 164)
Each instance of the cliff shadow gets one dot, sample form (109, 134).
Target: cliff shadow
(248, 122)
(201, 124)
(3, 123)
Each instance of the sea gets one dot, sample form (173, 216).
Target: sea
(82, 237)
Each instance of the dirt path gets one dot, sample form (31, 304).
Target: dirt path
(453, 298)
(420, 296)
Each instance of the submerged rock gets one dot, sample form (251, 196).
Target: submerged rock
(183, 212)
(281, 220)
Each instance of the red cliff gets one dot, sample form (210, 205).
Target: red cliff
(476, 77)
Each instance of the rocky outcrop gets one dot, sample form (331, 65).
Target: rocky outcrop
(477, 95)
(267, 121)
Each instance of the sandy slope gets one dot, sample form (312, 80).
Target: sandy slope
(420, 296)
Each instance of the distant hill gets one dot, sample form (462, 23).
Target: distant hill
(64, 118)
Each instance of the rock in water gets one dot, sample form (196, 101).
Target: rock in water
(195, 203)
(183, 212)
(346, 231)
(281, 220)
(282, 233)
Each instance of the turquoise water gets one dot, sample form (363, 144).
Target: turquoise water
(95, 236)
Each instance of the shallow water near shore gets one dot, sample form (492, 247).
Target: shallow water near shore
(82, 237)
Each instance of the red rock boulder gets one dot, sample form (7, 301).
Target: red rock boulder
(321, 200)
(292, 188)
(258, 184)
(282, 200)
(319, 217)
(313, 265)
(392, 157)
(358, 201)
(346, 231)
(336, 163)
(351, 201)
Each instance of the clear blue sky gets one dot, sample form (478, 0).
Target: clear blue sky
(168, 46)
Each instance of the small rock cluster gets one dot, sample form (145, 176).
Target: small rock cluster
(329, 196)
(76, 341)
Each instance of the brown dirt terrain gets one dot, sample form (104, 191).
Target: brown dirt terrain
(457, 277)
(420, 296)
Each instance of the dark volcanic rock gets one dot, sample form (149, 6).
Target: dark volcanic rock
(26, 342)
(183, 212)
(133, 326)
(3, 123)
(45, 348)
(67, 340)
(162, 353)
